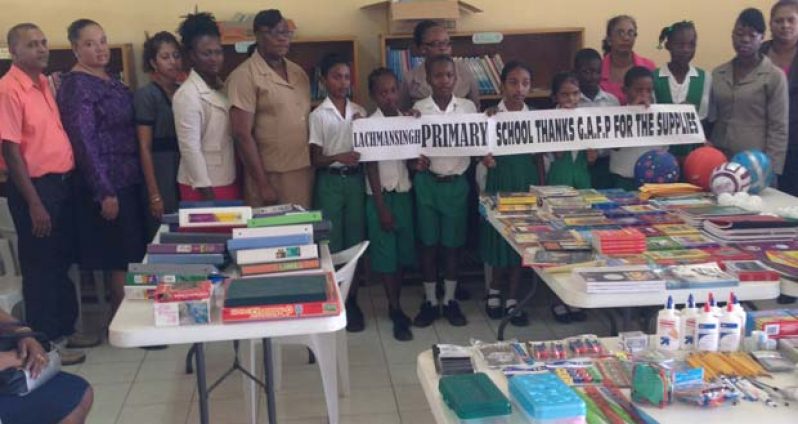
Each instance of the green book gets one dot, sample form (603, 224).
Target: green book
(292, 218)
(276, 290)
(473, 396)
(153, 279)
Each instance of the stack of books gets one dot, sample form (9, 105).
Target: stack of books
(513, 202)
(267, 298)
(276, 243)
(648, 191)
(629, 279)
(627, 241)
(186, 253)
(452, 359)
(142, 279)
(696, 215)
(750, 271)
(187, 303)
(698, 276)
(759, 228)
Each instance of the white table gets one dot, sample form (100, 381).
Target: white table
(134, 326)
(744, 412)
(570, 293)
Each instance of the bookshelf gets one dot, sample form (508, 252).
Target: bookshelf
(62, 59)
(546, 51)
(307, 53)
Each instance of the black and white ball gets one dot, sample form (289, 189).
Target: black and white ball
(731, 177)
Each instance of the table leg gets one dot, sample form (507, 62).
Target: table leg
(268, 369)
(613, 322)
(626, 314)
(202, 388)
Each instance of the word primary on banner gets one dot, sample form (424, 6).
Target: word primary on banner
(510, 133)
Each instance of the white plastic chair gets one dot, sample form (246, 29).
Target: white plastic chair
(10, 281)
(319, 344)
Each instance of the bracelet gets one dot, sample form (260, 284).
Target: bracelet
(154, 199)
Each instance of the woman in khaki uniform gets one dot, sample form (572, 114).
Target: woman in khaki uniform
(270, 99)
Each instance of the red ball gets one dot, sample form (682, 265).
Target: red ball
(698, 165)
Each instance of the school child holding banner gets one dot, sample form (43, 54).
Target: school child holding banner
(587, 67)
(638, 87)
(679, 82)
(511, 173)
(340, 184)
(441, 199)
(389, 209)
(569, 168)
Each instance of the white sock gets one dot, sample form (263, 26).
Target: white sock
(510, 303)
(429, 290)
(449, 287)
(492, 300)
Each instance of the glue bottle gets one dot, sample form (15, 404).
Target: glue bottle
(706, 331)
(668, 328)
(739, 311)
(730, 334)
(689, 315)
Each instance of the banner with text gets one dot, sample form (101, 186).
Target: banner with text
(510, 133)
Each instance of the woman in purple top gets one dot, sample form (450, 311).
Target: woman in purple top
(97, 111)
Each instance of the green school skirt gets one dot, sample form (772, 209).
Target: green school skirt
(512, 173)
(570, 172)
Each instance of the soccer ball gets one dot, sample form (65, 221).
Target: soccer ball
(731, 177)
(758, 165)
(656, 166)
(700, 163)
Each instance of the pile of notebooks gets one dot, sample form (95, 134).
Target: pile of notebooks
(629, 279)
(265, 298)
(698, 276)
(516, 202)
(626, 241)
(749, 227)
(648, 191)
(278, 242)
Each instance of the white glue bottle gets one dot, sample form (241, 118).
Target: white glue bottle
(739, 311)
(706, 331)
(730, 334)
(689, 316)
(668, 328)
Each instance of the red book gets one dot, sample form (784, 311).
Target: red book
(728, 253)
(280, 267)
(329, 307)
(180, 292)
(186, 248)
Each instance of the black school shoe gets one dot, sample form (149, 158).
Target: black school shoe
(494, 312)
(521, 320)
(461, 293)
(427, 315)
(401, 325)
(355, 322)
(452, 313)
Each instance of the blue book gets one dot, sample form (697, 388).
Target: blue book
(210, 204)
(198, 258)
(274, 241)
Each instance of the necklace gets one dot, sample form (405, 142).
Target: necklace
(99, 74)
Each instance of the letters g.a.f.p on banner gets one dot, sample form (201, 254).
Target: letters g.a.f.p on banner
(509, 133)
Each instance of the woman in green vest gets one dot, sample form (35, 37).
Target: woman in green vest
(679, 82)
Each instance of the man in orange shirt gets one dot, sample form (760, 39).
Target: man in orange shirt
(39, 160)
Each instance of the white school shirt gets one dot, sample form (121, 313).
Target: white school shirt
(679, 91)
(393, 173)
(332, 131)
(481, 174)
(447, 165)
(602, 99)
(204, 135)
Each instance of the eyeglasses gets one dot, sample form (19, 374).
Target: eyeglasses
(631, 33)
(274, 32)
(439, 44)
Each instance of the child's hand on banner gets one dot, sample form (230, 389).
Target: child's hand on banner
(348, 158)
(489, 161)
(422, 163)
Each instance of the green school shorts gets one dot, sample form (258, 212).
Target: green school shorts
(442, 209)
(391, 250)
(341, 198)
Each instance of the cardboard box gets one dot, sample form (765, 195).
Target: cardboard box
(402, 16)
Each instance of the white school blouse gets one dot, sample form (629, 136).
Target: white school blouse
(332, 131)
(393, 173)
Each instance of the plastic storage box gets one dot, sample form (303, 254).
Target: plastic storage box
(473, 397)
(545, 398)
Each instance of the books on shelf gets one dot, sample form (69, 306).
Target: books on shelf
(485, 69)
(630, 279)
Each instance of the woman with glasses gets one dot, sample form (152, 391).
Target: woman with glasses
(749, 100)
(270, 99)
(619, 55)
(432, 40)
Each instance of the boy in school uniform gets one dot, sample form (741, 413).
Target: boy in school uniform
(389, 209)
(339, 182)
(587, 67)
(441, 199)
(638, 87)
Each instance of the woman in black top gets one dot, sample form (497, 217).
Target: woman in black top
(156, 125)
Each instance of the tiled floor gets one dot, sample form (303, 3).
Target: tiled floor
(137, 386)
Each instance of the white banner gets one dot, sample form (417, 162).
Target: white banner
(510, 133)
